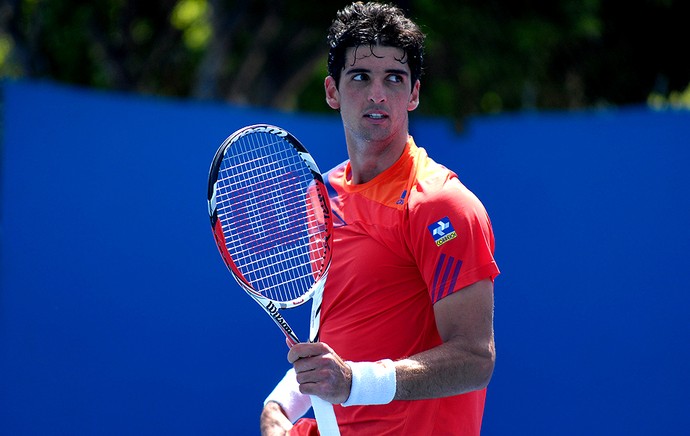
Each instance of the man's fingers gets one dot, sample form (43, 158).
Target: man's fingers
(320, 371)
(305, 349)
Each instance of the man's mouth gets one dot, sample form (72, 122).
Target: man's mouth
(376, 116)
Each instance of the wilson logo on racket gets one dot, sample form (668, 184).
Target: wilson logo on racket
(273, 311)
(442, 231)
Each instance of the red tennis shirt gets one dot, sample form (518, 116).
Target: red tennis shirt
(403, 241)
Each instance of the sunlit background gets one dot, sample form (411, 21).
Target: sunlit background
(483, 56)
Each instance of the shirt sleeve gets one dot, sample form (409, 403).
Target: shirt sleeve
(451, 237)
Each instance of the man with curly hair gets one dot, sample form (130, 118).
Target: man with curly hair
(406, 341)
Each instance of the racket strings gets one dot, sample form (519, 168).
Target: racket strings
(284, 214)
(288, 230)
(273, 231)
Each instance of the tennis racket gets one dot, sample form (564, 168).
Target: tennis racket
(271, 219)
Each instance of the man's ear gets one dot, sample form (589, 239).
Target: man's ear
(332, 94)
(414, 97)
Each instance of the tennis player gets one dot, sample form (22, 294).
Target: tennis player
(407, 343)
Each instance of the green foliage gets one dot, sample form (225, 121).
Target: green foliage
(483, 56)
(193, 18)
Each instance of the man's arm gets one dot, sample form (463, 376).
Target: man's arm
(465, 360)
(463, 363)
(273, 421)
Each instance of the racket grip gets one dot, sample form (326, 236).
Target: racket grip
(325, 417)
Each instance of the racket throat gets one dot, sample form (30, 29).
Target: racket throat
(273, 310)
(315, 319)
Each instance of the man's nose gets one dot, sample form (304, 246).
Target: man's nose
(377, 93)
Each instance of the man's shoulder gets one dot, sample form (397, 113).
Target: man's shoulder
(437, 187)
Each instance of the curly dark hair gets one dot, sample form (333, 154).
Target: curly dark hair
(372, 24)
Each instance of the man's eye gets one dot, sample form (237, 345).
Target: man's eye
(359, 77)
(395, 78)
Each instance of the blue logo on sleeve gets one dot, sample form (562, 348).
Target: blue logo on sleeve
(442, 231)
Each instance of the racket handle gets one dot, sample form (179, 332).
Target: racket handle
(325, 417)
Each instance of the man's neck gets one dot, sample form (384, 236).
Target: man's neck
(368, 160)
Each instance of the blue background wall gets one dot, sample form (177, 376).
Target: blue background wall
(117, 315)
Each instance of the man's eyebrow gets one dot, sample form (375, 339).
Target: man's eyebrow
(357, 71)
(397, 71)
(388, 71)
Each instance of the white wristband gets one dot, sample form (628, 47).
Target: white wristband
(372, 383)
(287, 394)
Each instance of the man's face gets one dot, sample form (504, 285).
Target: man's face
(375, 93)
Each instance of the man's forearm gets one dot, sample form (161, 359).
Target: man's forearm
(448, 369)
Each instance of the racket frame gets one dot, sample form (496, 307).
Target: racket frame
(270, 306)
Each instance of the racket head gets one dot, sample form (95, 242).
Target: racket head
(270, 215)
